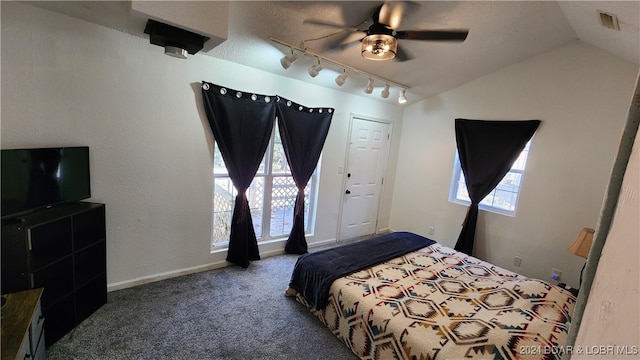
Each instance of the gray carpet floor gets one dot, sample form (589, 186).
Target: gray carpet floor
(229, 313)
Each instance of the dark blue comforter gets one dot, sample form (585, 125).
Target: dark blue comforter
(314, 273)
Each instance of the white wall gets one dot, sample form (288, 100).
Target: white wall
(610, 324)
(581, 94)
(69, 82)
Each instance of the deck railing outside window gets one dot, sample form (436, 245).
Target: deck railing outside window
(271, 195)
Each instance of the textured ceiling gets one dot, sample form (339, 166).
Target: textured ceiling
(500, 33)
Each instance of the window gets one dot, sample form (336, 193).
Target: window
(271, 195)
(504, 198)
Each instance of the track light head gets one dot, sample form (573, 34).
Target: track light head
(315, 70)
(403, 97)
(287, 60)
(369, 88)
(385, 91)
(342, 78)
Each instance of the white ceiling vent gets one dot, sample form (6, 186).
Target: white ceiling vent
(609, 20)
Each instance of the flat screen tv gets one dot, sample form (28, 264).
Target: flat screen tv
(34, 179)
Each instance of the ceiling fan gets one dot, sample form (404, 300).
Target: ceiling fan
(380, 41)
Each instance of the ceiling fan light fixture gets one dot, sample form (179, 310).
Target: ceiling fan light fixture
(403, 97)
(385, 91)
(342, 78)
(287, 60)
(379, 47)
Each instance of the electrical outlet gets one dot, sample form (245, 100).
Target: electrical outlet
(517, 261)
(555, 274)
(432, 230)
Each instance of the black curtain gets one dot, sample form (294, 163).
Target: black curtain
(241, 125)
(487, 149)
(303, 131)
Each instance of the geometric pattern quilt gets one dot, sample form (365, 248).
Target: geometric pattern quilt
(437, 303)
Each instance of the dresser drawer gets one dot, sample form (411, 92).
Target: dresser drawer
(41, 353)
(24, 352)
(36, 329)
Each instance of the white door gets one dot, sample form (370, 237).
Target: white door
(366, 164)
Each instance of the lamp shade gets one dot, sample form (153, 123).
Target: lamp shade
(582, 244)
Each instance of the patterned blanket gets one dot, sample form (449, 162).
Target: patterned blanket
(314, 273)
(436, 303)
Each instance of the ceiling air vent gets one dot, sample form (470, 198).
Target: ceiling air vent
(609, 20)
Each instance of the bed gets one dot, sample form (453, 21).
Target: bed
(419, 299)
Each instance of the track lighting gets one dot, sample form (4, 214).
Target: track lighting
(369, 88)
(347, 71)
(287, 60)
(403, 97)
(340, 80)
(315, 69)
(385, 92)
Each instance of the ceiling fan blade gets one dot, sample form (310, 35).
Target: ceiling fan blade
(386, 13)
(390, 13)
(349, 44)
(329, 24)
(434, 35)
(336, 41)
(402, 55)
(375, 13)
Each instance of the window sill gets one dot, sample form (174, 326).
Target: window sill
(485, 208)
(219, 248)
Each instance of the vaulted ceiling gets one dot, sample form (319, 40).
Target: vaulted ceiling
(500, 33)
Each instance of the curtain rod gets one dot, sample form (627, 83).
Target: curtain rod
(310, 52)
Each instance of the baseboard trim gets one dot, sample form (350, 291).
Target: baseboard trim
(165, 275)
(323, 242)
(181, 272)
(264, 253)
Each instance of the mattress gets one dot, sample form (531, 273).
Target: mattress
(437, 303)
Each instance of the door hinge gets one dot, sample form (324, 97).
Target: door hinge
(388, 136)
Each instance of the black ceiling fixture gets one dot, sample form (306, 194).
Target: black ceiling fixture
(176, 42)
(380, 40)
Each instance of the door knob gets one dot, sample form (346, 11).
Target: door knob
(347, 192)
(348, 175)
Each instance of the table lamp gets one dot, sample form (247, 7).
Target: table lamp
(582, 245)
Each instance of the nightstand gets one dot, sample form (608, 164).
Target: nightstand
(569, 288)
